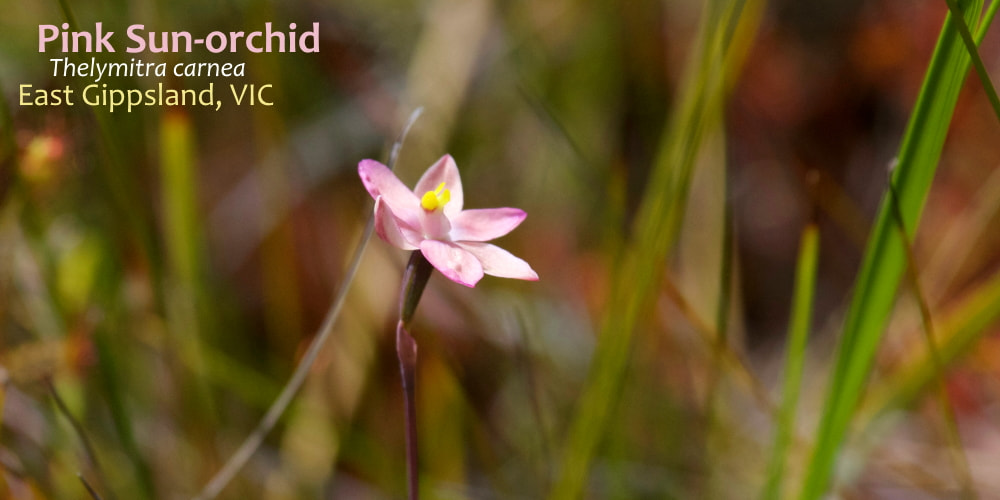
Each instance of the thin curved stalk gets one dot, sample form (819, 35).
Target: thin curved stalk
(277, 409)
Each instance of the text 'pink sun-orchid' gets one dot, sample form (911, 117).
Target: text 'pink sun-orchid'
(430, 219)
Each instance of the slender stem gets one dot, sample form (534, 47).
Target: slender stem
(81, 433)
(418, 272)
(90, 490)
(959, 461)
(288, 392)
(291, 388)
(406, 349)
(977, 62)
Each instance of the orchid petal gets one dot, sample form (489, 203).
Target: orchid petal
(392, 230)
(446, 171)
(435, 225)
(454, 263)
(380, 181)
(485, 224)
(499, 262)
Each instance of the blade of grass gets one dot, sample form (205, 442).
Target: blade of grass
(959, 461)
(971, 47)
(112, 363)
(798, 332)
(959, 331)
(8, 146)
(81, 434)
(657, 224)
(120, 181)
(986, 21)
(884, 259)
(182, 237)
(111, 357)
(178, 166)
(125, 198)
(90, 490)
(721, 341)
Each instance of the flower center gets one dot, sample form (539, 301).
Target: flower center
(432, 200)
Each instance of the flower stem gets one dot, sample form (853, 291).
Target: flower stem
(291, 388)
(418, 272)
(406, 348)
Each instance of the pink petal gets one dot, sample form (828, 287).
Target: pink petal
(444, 171)
(391, 230)
(435, 225)
(453, 262)
(499, 262)
(485, 224)
(380, 181)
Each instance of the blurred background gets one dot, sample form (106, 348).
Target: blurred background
(163, 271)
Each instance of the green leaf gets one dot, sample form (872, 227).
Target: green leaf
(884, 261)
(798, 333)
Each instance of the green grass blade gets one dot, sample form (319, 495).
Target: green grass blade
(798, 332)
(958, 332)
(657, 225)
(987, 20)
(884, 259)
(178, 174)
(121, 182)
(971, 47)
(714, 425)
(959, 460)
(183, 241)
(112, 365)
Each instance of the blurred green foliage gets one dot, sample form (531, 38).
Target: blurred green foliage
(163, 271)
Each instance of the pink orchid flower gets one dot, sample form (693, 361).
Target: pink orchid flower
(430, 219)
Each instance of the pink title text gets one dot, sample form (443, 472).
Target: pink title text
(51, 37)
